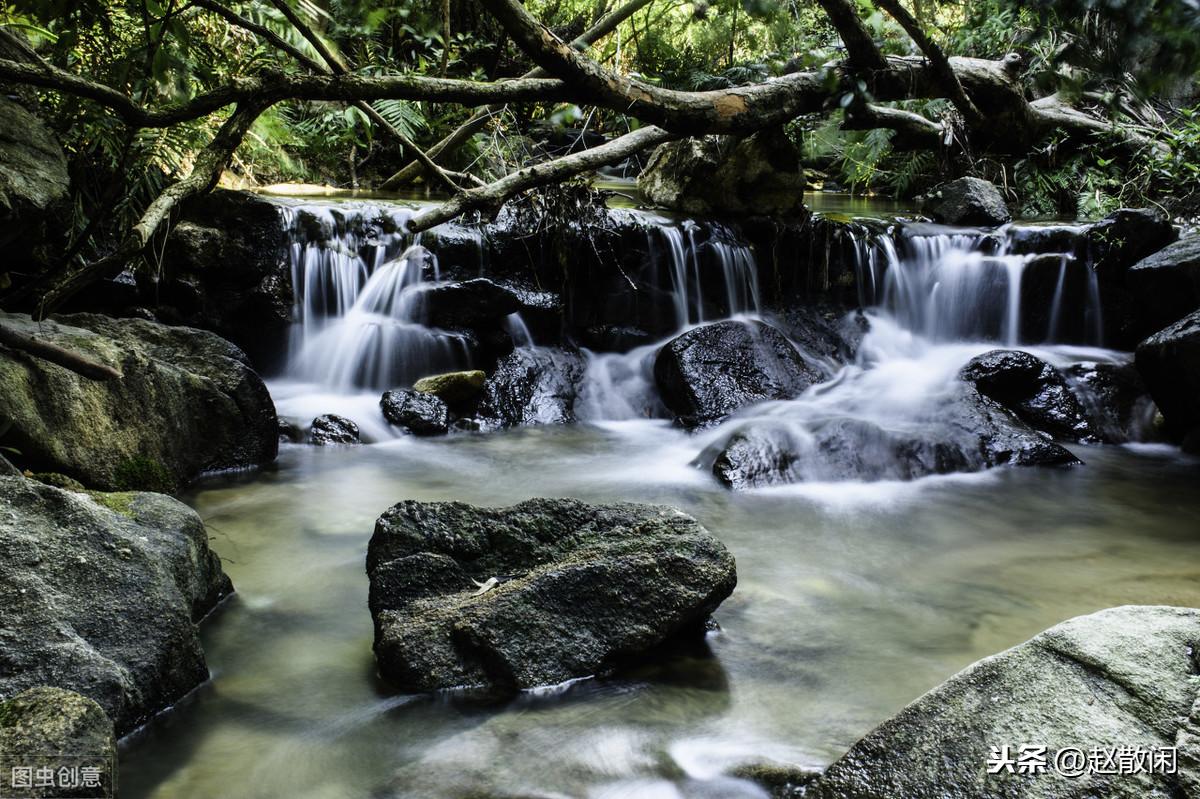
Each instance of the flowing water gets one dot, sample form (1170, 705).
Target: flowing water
(853, 597)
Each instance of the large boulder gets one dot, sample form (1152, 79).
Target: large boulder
(187, 402)
(532, 386)
(420, 413)
(968, 433)
(1116, 399)
(101, 595)
(34, 188)
(967, 201)
(1119, 681)
(760, 174)
(1125, 237)
(468, 304)
(1167, 283)
(535, 594)
(226, 268)
(709, 372)
(55, 729)
(1169, 362)
(1032, 389)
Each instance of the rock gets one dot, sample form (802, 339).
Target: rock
(564, 590)
(1120, 679)
(226, 268)
(188, 402)
(532, 386)
(1167, 283)
(330, 429)
(709, 372)
(1032, 389)
(34, 187)
(468, 304)
(712, 175)
(101, 595)
(969, 433)
(1125, 237)
(51, 728)
(968, 201)
(7, 469)
(421, 414)
(1169, 362)
(1115, 398)
(290, 431)
(453, 388)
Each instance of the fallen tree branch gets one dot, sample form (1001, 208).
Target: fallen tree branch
(67, 359)
(491, 197)
(463, 133)
(913, 131)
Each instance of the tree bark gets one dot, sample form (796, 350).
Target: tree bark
(79, 364)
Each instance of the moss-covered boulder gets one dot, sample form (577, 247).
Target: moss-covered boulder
(453, 388)
(187, 402)
(1121, 680)
(65, 732)
(537, 593)
(33, 188)
(101, 594)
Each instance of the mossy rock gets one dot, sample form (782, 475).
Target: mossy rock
(453, 388)
(142, 474)
(57, 480)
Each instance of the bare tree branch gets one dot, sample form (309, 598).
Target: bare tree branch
(491, 197)
(861, 52)
(47, 351)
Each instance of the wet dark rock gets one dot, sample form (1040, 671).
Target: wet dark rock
(825, 332)
(537, 593)
(709, 372)
(53, 728)
(420, 413)
(290, 431)
(188, 402)
(101, 593)
(1169, 362)
(468, 304)
(532, 386)
(1115, 398)
(969, 433)
(1032, 389)
(1125, 237)
(713, 175)
(1167, 284)
(453, 388)
(329, 429)
(1041, 238)
(1120, 679)
(967, 201)
(34, 188)
(226, 269)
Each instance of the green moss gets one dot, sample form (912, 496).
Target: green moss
(58, 480)
(119, 502)
(143, 474)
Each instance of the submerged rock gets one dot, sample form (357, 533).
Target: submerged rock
(1167, 284)
(420, 413)
(187, 402)
(453, 388)
(330, 429)
(537, 593)
(759, 174)
(537, 385)
(51, 728)
(1169, 362)
(968, 201)
(709, 372)
(101, 593)
(1032, 389)
(968, 433)
(1123, 679)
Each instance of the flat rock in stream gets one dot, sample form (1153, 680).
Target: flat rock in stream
(101, 594)
(1123, 679)
(537, 593)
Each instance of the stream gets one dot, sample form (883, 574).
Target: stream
(853, 597)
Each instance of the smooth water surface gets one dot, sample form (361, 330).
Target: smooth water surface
(853, 599)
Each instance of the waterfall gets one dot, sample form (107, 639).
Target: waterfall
(708, 279)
